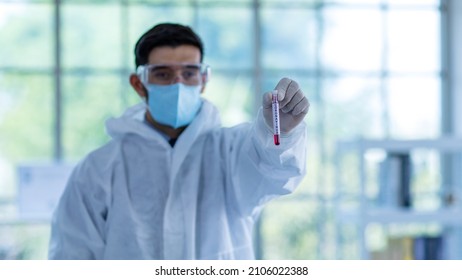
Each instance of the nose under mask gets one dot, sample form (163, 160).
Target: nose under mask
(174, 105)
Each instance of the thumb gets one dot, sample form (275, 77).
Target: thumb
(268, 99)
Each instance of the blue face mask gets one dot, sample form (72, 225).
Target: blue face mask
(174, 105)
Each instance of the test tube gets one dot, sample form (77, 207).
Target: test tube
(276, 128)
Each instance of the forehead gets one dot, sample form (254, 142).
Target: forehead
(180, 54)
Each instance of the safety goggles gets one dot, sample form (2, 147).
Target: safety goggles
(166, 74)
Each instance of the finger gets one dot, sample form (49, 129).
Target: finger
(281, 94)
(302, 107)
(281, 87)
(290, 93)
(295, 100)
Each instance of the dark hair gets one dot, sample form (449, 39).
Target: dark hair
(165, 34)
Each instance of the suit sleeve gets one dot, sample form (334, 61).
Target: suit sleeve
(78, 221)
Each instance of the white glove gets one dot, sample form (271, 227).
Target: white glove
(293, 105)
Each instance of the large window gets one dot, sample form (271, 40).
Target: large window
(364, 65)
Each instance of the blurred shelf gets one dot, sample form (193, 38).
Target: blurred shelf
(360, 213)
(441, 144)
(23, 221)
(448, 216)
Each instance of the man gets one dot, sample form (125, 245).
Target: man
(172, 183)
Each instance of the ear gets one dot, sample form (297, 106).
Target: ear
(137, 85)
(202, 88)
(205, 79)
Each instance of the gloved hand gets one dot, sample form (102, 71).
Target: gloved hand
(293, 105)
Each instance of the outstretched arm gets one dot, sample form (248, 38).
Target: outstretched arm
(262, 170)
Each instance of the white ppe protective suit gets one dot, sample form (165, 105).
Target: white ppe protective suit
(138, 198)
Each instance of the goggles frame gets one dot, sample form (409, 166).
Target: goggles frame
(143, 71)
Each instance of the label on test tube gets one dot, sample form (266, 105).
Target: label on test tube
(276, 128)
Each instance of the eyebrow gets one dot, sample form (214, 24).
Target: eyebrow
(195, 66)
(165, 66)
(157, 67)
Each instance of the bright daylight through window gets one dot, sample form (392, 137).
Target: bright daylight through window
(362, 64)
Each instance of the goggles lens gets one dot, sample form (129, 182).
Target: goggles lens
(165, 74)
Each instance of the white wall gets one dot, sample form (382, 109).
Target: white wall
(455, 63)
